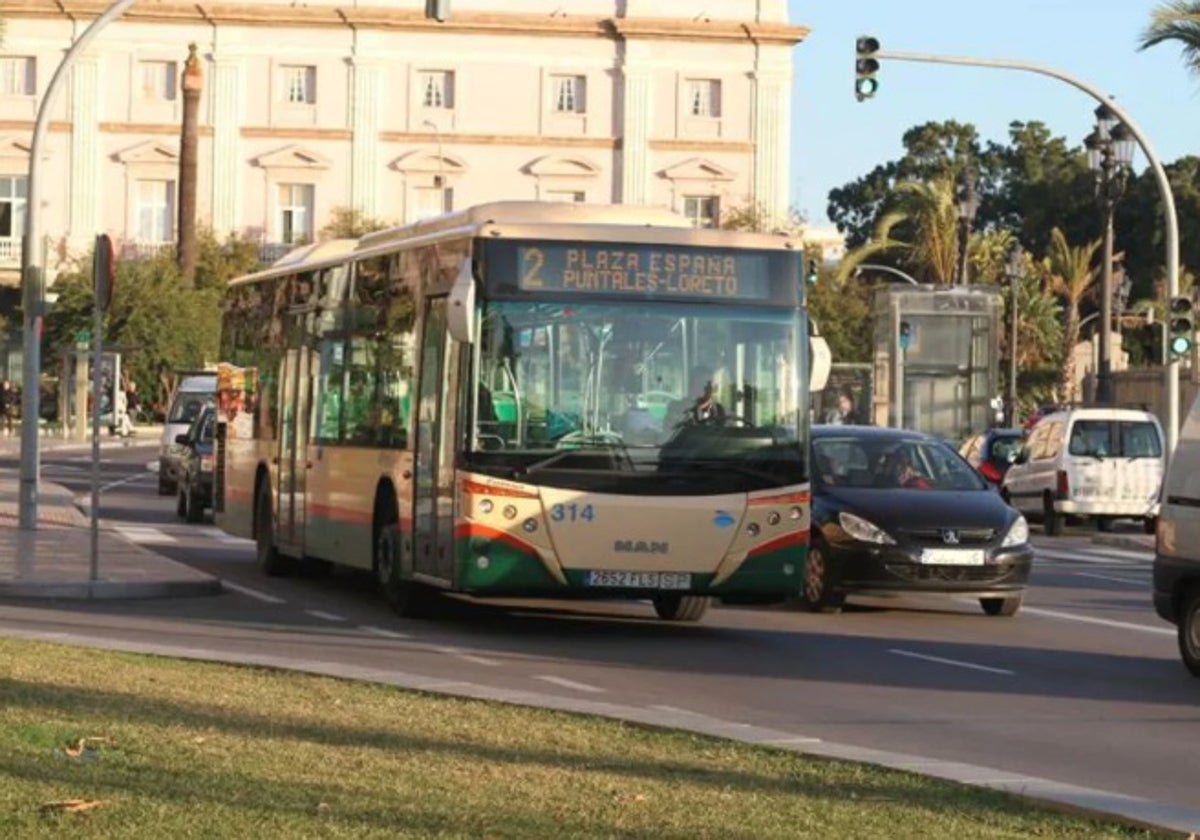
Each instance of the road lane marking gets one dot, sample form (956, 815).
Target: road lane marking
(955, 662)
(675, 710)
(469, 657)
(565, 683)
(216, 534)
(119, 482)
(1126, 581)
(252, 593)
(1094, 559)
(1147, 554)
(143, 534)
(387, 634)
(1104, 622)
(324, 616)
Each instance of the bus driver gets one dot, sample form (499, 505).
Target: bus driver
(702, 408)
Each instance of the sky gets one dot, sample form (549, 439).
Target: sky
(836, 140)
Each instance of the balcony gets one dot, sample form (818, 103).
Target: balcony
(134, 249)
(269, 252)
(10, 252)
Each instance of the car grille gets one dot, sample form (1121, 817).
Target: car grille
(949, 574)
(933, 536)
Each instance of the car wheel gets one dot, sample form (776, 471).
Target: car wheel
(1104, 524)
(267, 553)
(1150, 525)
(165, 486)
(1001, 606)
(1189, 631)
(818, 594)
(406, 598)
(1052, 522)
(673, 607)
(194, 510)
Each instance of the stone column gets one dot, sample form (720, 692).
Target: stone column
(771, 130)
(84, 219)
(227, 170)
(636, 119)
(364, 147)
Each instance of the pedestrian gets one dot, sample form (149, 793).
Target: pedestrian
(843, 413)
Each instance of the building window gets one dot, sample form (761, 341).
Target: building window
(432, 201)
(437, 89)
(155, 211)
(569, 94)
(158, 80)
(566, 196)
(299, 84)
(703, 210)
(704, 97)
(14, 190)
(295, 213)
(18, 75)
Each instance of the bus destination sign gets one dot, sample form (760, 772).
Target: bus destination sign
(650, 271)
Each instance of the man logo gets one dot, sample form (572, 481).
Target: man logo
(641, 547)
(950, 537)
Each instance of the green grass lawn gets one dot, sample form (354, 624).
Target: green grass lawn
(203, 750)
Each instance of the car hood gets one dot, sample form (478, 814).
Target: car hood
(909, 509)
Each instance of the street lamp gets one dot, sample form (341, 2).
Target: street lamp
(1110, 152)
(1013, 272)
(967, 205)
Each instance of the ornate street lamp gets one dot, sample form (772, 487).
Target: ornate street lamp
(1110, 149)
(968, 204)
(1013, 272)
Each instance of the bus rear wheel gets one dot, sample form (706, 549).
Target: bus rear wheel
(266, 552)
(406, 598)
(672, 607)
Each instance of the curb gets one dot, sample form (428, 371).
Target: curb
(1115, 808)
(107, 590)
(1142, 543)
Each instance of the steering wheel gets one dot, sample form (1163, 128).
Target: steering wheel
(576, 437)
(735, 420)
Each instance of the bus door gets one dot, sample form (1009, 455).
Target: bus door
(296, 395)
(433, 471)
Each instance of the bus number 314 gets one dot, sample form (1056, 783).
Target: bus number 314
(572, 513)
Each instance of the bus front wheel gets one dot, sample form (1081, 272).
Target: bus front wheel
(672, 607)
(406, 598)
(269, 559)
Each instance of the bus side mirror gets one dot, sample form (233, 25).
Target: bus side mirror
(460, 319)
(820, 360)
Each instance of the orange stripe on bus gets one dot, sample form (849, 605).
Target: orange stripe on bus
(474, 529)
(481, 489)
(789, 540)
(339, 513)
(801, 498)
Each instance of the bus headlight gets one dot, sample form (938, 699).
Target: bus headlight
(529, 525)
(485, 506)
(795, 513)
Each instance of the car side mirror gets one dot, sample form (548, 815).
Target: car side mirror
(182, 440)
(1012, 457)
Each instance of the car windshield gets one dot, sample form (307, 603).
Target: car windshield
(187, 406)
(1004, 449)
(1115, 438)
(888, 463)
(646, 391)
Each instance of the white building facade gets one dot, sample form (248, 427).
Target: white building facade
(308, 107)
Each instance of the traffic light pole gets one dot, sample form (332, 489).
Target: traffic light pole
(1171, 370)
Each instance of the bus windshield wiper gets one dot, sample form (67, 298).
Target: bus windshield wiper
(589, 443)
(741, 469)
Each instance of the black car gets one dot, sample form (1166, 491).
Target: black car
(898, 511)
(993, 452)
(195, 469)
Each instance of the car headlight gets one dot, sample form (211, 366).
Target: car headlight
(1018, 533)
(863, 530)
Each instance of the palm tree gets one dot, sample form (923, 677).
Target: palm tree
(1069, 272)
(930, 210)
(1179, 21)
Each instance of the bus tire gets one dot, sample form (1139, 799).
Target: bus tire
(406, 598)
(673, 607)
(266, 552)
(818, 594)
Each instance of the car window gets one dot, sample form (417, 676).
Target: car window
(887, 463)
(1004, 449)
(187, 407)
(1138, 439)
(207, 425)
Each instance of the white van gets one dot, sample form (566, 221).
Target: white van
(1177, 550)
(192, 392)
(1096, 463)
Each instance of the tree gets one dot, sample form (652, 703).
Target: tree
(1177, 21)
(1069, 273)
(930, 212)
(351, 223)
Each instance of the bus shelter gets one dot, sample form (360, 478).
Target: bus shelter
(936, 358)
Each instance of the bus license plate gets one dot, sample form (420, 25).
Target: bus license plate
(952, 556)
(640, 580)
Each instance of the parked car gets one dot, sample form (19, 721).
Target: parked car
(1098, 463)
(193, 392)
(1177, 549)
(897, 511)
(992, 452)
(196, 466)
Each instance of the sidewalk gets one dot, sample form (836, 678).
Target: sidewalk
(53, 561)
(53, 440)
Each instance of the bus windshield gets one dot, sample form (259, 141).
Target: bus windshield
(626, 396)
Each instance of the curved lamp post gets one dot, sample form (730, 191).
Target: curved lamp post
(33, 293)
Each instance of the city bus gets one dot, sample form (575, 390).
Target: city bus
(525, 400)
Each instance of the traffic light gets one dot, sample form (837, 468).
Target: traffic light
(813, 271)
(866, 65)
(1182, 324)
(905, 335)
